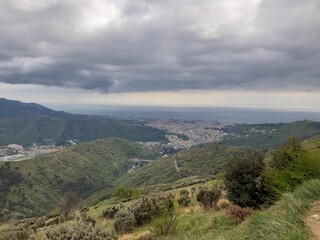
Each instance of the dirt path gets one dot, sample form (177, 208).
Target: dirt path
(312, 223)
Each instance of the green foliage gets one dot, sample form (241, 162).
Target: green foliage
(110, 212)
(291, 165)
(268, 135)
(8, 178)
(286, 154)
(124, 221)
(285, 219)
(127, 192)
(20, 234)
(28, 123)
(148, 208)
(165, 223)
(184, 198)
(81, 230)
(208, 197)
(243, 179)
(203, 160)
(35, 186)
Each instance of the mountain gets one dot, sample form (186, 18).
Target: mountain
(28, 123)
(268, 135)
(10, 109)
(202, 161)
(35, 186)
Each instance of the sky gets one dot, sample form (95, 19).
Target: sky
(248, 53)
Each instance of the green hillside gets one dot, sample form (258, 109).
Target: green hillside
(10, 109)
(24, 124)
(34, 186)
(203, 161)
(268, 135)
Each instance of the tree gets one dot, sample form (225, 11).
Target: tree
(67, 202)
(243, 179)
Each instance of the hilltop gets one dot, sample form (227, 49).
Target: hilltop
(10, 109)
(35, 186)
(268, 135)
(28, 123)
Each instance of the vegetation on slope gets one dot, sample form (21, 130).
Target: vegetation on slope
(35, 186)
(25, 124)
(268, 135)
(203, 161)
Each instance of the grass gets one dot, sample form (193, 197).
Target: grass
(285, 219)
(282, 221)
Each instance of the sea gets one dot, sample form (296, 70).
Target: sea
(220, 114)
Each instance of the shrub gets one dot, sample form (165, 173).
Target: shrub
(193, 191)
(290, 166)
(81, 230)
(208, 197)
(184, 199)
(126, 192)
(18, 234)
(165, 219)
(165, 223)
(41, 222)
(243, 179)
(110, 212)
(143, 211)
(147, 208)
(238, 214)
(124, 221)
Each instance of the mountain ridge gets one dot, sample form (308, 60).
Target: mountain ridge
(28, 123)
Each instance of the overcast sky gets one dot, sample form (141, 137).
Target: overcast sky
(158, 52)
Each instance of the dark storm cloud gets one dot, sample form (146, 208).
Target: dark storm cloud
(120, 46)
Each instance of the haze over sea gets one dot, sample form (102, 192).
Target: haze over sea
(225, 114)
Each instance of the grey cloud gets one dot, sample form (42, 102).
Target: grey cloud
(120, 46)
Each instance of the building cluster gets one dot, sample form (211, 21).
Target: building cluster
(15, 152)
(186, 133)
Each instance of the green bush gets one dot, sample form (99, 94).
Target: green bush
(243, 179)
(184, 199)
(124, 221)
(81, 230)
(110, 212)
(148, 208)
(126, 192)
(290, 166)
(165, 223)
(208, 197)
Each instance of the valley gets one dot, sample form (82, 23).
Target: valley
(87, 180)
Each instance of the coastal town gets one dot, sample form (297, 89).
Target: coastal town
(187, 133)
(181, 134)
